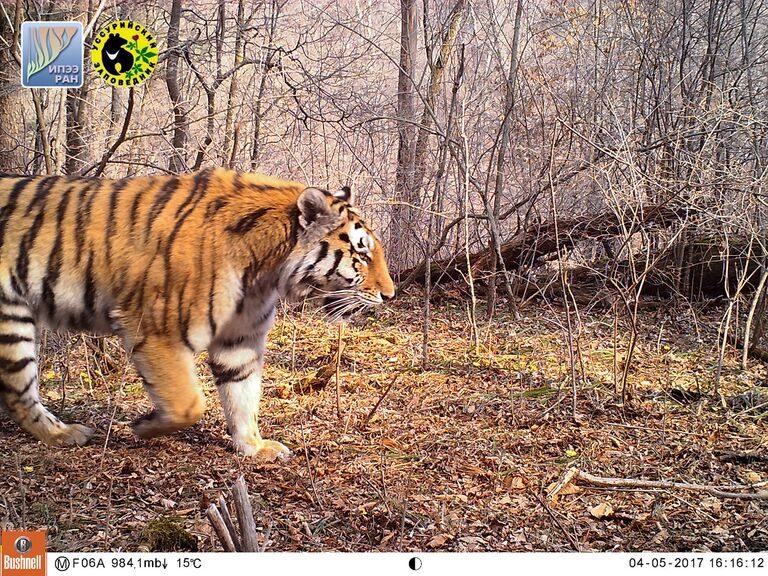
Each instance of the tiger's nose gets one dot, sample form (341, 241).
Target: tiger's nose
(389, 296)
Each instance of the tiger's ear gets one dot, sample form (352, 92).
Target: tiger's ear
(315, 209)
(344, 193)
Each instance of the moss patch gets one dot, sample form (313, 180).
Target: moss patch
(168, 535)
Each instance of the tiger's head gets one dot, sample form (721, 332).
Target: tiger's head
(337, 257)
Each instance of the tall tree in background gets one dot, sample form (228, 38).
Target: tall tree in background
(77, 149)
(269, 55)
(501, 164)
(177, 162)
(405, 194)
(437, 65)
(230, 133)
(12, 154)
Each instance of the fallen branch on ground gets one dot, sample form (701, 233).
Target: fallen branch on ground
(576, 476)
(540, 240)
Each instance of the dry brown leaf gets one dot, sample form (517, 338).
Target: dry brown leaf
(472, 470)
(472, 542)
(566, 490)
(752, 477)
(514, 483)
(439, 540)
(380, 343)
(602, 510)
(712, 504)
(661, 536)
(318, 381)
(392, 444)
(283, 390)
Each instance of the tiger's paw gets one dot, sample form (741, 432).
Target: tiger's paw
(73, 435)
(152, 425)
(265, 450)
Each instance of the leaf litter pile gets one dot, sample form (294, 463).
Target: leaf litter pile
(464, 454)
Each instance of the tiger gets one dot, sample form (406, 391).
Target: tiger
(174, 265)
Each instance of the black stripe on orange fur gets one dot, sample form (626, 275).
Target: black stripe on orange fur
(338, 255)
(7, 211)
(89, 294)
(117, 188)
(54, 261)
(41, 193)
(161, 200)
(27, 243)
(200, 180)
(247, 222)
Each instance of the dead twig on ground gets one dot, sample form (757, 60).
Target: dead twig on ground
(339, 350)
(570, 538)
(222, 523)
(244, 513)
(106, 439)
(574, 475)
(309, 466)
(381, 399)
(217, 522)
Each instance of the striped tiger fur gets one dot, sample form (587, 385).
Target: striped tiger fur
(174, 265)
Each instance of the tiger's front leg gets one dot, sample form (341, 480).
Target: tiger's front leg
(237, 366)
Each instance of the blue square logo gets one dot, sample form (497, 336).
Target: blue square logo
(51, 54)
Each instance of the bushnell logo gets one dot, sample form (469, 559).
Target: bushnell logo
(23, 553)
(124, 53)
(23, 545)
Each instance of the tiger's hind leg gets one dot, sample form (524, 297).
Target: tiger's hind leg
(168, 370)
(18, 381)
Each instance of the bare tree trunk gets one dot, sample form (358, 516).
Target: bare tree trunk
(77, 101)
(43, 135)
(12, 155)
(256, 149)
(77, 148)
(759, 164)
(229, 144)
(436, 204)
(115, 113)
(403, 213)
(177, 162)
(501, 163)
(59, 134)
(437, 69)
(265, 69)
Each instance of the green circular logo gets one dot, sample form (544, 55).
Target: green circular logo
(124, 53)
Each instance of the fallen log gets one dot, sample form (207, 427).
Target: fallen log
(542, 240)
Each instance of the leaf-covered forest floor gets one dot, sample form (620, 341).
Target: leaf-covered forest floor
(457, 456)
